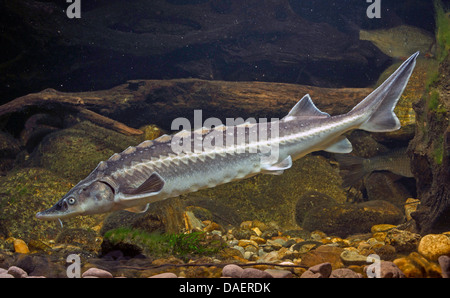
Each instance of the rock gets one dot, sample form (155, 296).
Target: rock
(255, 273)
(165, 275)
(416, 266)
(9, 148)
(270, 257)
(43, 265)
(324, 269)
(279, 273)
(444, 262)
(345, 273)
(309, 274)
(432, 246)
(381, 228)
(347, 219)
(323, 254)
(350, 257)
(384, 186)
(212, 226)
(239, 249)
(246, 225)
(20, 246)
(385, 270)
(87, 239)
(95, 272)
(410, 207)
(308, 200)
(192, 222)
(233, 271)
(403, 241)
(245, 242)
(74, 152)
(17, 272)
(386, 252)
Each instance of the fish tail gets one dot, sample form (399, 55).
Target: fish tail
(378, 106)
(352, 169)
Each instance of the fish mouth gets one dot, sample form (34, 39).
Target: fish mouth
(59, 211)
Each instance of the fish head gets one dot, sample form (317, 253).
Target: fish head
(83, 199)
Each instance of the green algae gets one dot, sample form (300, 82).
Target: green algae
(442, 19)
(163, 245)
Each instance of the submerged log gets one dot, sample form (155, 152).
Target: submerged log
(140, 102)
(430, 156)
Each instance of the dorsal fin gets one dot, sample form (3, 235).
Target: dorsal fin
(305, 108)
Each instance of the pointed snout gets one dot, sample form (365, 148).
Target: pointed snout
(59, 211)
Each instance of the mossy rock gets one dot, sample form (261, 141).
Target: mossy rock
(26, 191)
(271, 198)
(311, 199)
(347, 219)
(74, 152)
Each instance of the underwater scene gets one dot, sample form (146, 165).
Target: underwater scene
(224, 138)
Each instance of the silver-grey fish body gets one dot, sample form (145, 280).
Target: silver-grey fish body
(156, 170)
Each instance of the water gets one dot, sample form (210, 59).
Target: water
(120, 72)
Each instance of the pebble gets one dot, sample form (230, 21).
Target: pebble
(165, 275)
(255, 273)
(350, 257)
(345, 273)
(20, 246)
(95, 272)
(386, 270)
(417, 266)
(381, 228)
(444, 262)
(403, 241)
(279, 273)
(432, 246)
(410, 207)
(233, 271)
(17, 272)
(318, 271)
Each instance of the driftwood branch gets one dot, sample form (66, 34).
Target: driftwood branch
(142, 102)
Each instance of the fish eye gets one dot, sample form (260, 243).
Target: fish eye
(71, 201)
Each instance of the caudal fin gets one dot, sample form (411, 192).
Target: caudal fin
(380, 104)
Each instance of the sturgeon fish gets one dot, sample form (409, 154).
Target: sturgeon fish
(154, 170)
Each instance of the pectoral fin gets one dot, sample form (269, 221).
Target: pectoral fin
(138, 209)
(153, 185)
(278, 168)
